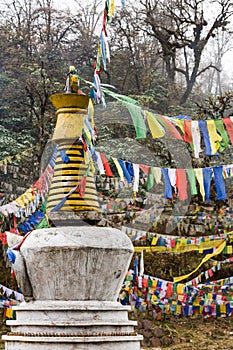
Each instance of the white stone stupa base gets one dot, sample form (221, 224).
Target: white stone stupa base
(71, 325)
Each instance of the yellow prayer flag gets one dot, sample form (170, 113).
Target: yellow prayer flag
(155, 127)
(119, 169)
(206, 258)
(154, 241)
(154, 283)
(9, 312)
(196, 302)
(199, 177)
(214, 137)
(180, 288)
(222, 308)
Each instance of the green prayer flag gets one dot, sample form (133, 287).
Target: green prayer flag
(138, 120)
(192, 181)
(150, 179)
(42, 224)
(223, 133)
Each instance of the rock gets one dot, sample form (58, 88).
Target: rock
(139, 326)
(158, 332)
(147, 333)
(165, 341)
(147, 324)
(155, 341)
(176, 340)
(146, 342)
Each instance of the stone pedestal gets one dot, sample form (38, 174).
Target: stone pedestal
(73, 276)
(72, 325)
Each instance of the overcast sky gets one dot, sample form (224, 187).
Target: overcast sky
(227, 58)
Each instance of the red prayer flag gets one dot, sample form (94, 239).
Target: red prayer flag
(229, 127)
(106, 165)
(181, 184)
(144, 168)
(170, 128)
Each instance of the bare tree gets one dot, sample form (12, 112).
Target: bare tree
(181, 28)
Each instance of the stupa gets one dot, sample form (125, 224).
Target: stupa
(72, 272)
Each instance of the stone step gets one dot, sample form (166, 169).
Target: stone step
(77, 328)
(71, 316)
(72, 305)
(44, 311)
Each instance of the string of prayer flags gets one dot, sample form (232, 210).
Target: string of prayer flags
(210, 272)
(103, 53)
(214, 133)
(206, 258)
(164, 297)
(10, 293)
(17, 156)
(203, 244)
(162, 245)
(175, 181)
(29, 201)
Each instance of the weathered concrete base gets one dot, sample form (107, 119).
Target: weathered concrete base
(82, 325)
(73, 276)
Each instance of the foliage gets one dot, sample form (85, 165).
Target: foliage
(216, 108)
